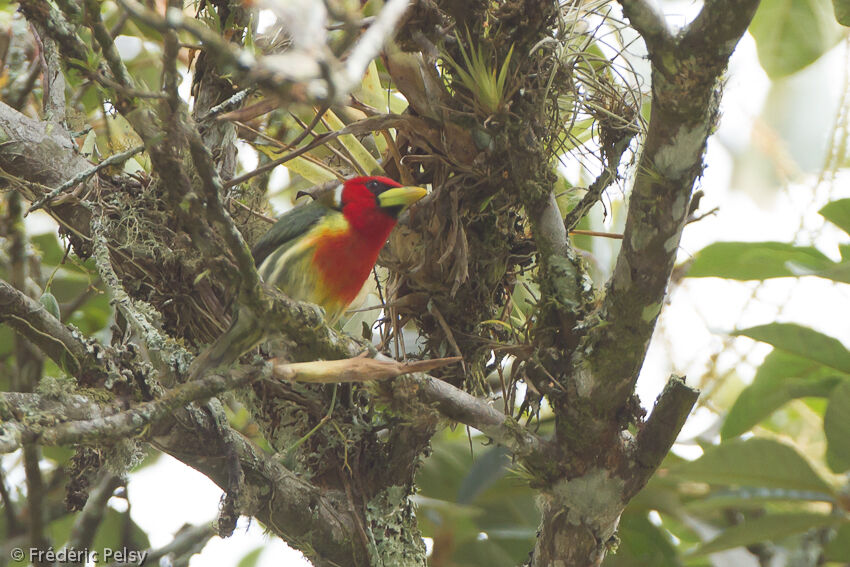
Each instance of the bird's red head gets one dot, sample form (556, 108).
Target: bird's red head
(372, 204)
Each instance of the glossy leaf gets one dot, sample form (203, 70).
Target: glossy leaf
(252, 558)
(49, 248)
(116, 531)
(838, 212)
(486, 470)
(839, 272)
(754, 498)
(841, 8)
(483, 553)
(60, 455)
(836, 426)
(766, 528)
(755, 462)
(642, 543)
(7, 342)
(756, 260)
(364, 159)
(371, 92)
(477, 512)
(781, 377)
(838, 549)
(313, 171)
(802, 341)
(791, 34)
(48, 301)
(94, 315)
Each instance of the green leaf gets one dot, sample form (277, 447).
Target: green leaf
(781, 377)
(251, 558)
(94, 315)
(371, 91)
(838, 549)
(791, 34)
(483, 553)
(59, 455)
(756, 260)
(839, 272)
(499, 521)
(6, 340)
(836, 426)
(447, 509)
(487, 469)
(49, 248)
(767, 528)
(641, 543)
(754, 462)
(838, 212)
(116, 531)
(89, 147)
(802, 341)
(753, 498)
(309, 170)
(48, 301)
(841, 8)
(365, 160)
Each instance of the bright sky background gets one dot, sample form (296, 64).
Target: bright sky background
(168, 494)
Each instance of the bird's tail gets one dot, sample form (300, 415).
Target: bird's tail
(245, 333)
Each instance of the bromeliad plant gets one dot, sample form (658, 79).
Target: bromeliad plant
(482, 76)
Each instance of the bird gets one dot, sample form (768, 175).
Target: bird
(321, 252)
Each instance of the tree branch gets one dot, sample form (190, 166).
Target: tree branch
(683, 114)
(74, 51)
(608, 176)
(12, 525)
(36, 495)
(563, 285)
(163, 349)
(260, 472)
(108, 425)
(53, 78)
(85, 176)
(450, 401)
(369, 46)
(107, 44)
(45, 157)
(31, 320)
(56, 26)
(465, 408)
(187, 542)
(218, 215)
(314, 520)
(658, 434)
(650, 24)
(321, 77)
(89, 519)
(718, 27)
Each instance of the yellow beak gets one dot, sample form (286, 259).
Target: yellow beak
(400, 196)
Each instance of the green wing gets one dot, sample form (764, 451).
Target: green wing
(287, 229)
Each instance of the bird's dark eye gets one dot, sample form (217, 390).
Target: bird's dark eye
(373, 186)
